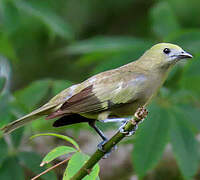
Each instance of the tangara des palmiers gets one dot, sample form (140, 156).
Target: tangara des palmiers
(110, 96)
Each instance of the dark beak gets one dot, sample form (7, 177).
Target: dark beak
(185, 55)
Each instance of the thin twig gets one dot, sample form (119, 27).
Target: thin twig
(49, 169)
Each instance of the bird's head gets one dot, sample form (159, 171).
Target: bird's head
(165, 55)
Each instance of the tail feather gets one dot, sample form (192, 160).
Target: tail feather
(27, 118)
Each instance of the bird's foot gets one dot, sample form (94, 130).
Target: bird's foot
(101, 144)
(127, 133)
(141, 114)
(101, 148)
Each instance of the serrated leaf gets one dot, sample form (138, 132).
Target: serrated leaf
(66, 138)
(55, 23)
(184, 145)
(31, 161)
(151, 139)
(9, 171)
(32, 95)
(75, 163)
(169, 25)
(56, 152)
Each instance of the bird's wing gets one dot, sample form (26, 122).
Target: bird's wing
(103, 92)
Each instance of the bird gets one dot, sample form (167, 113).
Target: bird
(110, 96)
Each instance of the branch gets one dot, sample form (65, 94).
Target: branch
(49, 169)
(87, 167)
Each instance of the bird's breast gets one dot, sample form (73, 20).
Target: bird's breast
(145, 92)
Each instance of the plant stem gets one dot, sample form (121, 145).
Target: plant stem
(87, 167)
(49, 169)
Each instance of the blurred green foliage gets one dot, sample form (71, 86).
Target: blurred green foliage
(76, 160)
(45, 46)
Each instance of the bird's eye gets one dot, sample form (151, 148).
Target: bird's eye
(166, 50)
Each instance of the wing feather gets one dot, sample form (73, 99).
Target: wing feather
(102, 94)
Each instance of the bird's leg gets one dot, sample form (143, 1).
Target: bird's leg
(100, 133)
(140, 114)
(101, 144)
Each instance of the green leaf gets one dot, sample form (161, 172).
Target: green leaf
(31, 161)
(11, 169)
(108, 52)
(55, 23)
(60, 85)
(75, 163)
(192, 115)
(33, 94)
(5, 109)
(10, 17)
(88, 60)
(118, 60)
(66, 138)
(151, 139)
(16, 136)
(174, 77)
(107, 44)
(189, 40)
(2, 83)
(97, 178)
(6, 47)
(164, 21)
(191, 76)
(184, 144)
(3, 150)
(186, 11)
(56, 152)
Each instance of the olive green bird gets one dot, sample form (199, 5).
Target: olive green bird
(110, 96)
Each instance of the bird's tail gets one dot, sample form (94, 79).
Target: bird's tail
(27, 118)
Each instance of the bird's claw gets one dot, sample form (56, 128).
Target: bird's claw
(140, 114)
(127, 133)
(101, 148)
(101, 144)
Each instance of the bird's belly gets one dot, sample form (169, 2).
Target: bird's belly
(130, 108)
(127, 109)
(121, 111)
